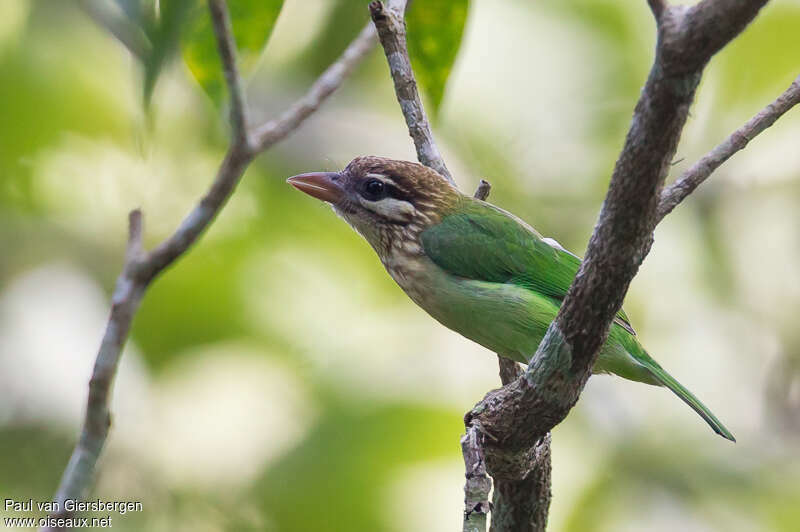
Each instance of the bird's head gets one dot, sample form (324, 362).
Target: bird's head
(383, 199)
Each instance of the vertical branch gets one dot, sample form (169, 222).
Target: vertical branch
(226, 45)
(521, 501)
(391, 28)
(517, 418)
(477, 485)
(124, 303)
(523, 504)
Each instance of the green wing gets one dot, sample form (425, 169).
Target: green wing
(479, 241)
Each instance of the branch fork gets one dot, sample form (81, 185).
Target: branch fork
(141, 266)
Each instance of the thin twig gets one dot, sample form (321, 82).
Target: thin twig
(271, 132)
(226, 45)
(702, 169)
(141, 267)
(201, 216)
(391, 28)
(482, 192)
(124, 303)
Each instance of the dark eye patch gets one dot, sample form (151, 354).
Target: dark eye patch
(375, 190)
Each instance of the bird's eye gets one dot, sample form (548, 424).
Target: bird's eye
(374, 189)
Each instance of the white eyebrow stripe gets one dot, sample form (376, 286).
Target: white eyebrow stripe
(384, 178)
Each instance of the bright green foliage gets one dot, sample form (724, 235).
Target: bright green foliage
(252, 20)
(434, 37)
(342, 22)
(329, 481)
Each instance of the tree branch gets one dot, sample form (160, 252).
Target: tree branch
(702, 169)
(508, 432)
(524, 503)
(657, 7)
(275, 130)
(514, 418)
(477, 485)
(519, 500)
(482, 192)
(124, 303)
(141, 267)
(391, 28)
(226, 45)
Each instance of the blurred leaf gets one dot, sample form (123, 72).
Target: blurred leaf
(32, 118)
(208, 282)
(132, 8)
(343, 21)
(32, 459)
(627, 54)
(252, 20)
(434, 37)
(337, 479)
(163, 29)
(769, 49)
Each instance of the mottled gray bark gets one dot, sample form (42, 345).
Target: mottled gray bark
(391, 26)
(525, 503)
(514, 420)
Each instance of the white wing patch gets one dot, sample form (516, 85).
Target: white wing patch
(553, 243)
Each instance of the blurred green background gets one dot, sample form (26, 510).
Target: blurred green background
(277, 379)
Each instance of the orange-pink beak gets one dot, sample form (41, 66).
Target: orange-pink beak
(324, 186)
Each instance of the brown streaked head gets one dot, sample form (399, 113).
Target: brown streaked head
(381, 198)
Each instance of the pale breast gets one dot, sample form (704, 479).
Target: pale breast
(408, 266)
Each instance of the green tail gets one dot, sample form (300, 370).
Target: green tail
(688, 397)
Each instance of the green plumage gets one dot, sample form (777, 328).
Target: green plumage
(477, 269)
(502, 285)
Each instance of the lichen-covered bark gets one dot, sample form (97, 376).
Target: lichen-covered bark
(523, 505)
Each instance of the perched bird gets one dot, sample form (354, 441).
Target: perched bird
(474, 267)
